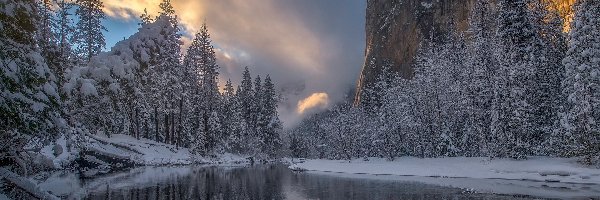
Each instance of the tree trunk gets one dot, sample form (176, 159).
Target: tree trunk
(157, 138)
(167, 128)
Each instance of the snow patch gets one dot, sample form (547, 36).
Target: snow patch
(535, 168)
(426, 5)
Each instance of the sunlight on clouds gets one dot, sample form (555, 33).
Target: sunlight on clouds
(316, 100)
(130, 9)
(245, 26)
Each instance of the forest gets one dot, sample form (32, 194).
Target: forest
(57, 82)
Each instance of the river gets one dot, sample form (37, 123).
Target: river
(244, 182)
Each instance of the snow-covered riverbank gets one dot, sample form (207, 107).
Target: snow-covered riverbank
(536, 168)
(542, 176)
(139, 152)
(99, 156)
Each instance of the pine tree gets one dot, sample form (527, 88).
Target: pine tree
(201, 62)
(88, 36)
(481, 70)
(548, 49)
(227, 110)
(208, 69)
(245, 94)
(29, 108)
(46, 40)
(64, 27)
(145, 18)
(167, 10)
(234, 126)
(63, 31)
(515, 78)
(268, 121)
(396, 121)
(581, 84)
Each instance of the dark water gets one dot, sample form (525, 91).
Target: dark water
(258, 182)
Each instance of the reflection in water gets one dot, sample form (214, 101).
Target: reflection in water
(258, 182)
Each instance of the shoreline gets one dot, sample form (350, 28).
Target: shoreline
(555, 177)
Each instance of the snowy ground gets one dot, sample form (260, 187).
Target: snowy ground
(141, 151)
(537, 176)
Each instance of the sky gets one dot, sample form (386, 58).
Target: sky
(312, 49)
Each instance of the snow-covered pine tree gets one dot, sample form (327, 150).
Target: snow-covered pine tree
(191, 111)
(213, 134)
(173, 71)
(481, 69)
(513, 110)
(62, 32)
(396, 121)
(209, 91)
(299, 148)
(268, 121)
(432, 77)
(29, 108)
(256, 106)
(63, 28)
(54, 52)
(240, 138)
(233, 124)
(46, 19)
(227, 108)
(581, 84)
(163, 85)
(548, 49)
(246, 93)
(88, 37)
(166, 9)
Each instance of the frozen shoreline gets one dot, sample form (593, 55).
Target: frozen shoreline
(538, 176)
(140, 152)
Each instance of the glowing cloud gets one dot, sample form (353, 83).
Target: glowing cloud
(320, 100)
(126, 9)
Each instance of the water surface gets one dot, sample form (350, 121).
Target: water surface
(249, 182)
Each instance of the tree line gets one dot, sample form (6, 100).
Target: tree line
(513, 85)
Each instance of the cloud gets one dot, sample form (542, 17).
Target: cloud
(314, 43)
(128, 10)
(316, 100)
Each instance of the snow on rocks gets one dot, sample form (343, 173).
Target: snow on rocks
(26, 187)
(59, 153)
(141, 152)
(145, 152)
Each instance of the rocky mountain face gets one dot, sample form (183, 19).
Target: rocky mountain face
(396, 28)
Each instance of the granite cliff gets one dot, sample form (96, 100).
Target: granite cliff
(396, 28)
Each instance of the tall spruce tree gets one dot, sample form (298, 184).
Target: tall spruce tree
(481, 69)
(88, 37)
(245, 94)
(548, 49)
(269, 120)
(582, 85)
(513, 109)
